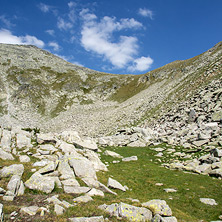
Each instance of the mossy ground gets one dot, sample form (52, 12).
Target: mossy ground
(140, 177)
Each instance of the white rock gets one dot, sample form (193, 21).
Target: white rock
(95, 192)
(32, 210)
(132, 158)
(5, 155)
(170, 190)
(23, 141)
(208, 201)
(24, 159)
(115, 184)
(70, 182)
(82, 167)
(6, 140)
(41, 183)
(59, 210)
(158, 207)
(82, 199)
(113, 154)
(95, 160)
(76, 190)
(15, 169)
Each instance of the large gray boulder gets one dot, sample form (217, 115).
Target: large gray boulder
(66, 172)
(5, 155)
(23, 141)
(82, 167)
(15, 169)
(6, 140)
(74, 138)
(46, 138)
(66, 147)
(158, 207)
(42, 183)
(14, 184)
(128, 212)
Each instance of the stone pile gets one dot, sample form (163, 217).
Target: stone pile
(196, 122)
(209, 164)
(190, 124)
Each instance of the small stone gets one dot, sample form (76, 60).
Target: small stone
(132, 158)
(82, 199)
(59, 210)
(159, 184)
(170, 190)
(208, 201)
(32, 210)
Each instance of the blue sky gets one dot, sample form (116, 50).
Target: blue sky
(115, 36)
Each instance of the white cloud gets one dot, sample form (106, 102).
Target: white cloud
(96, 37)
(71, 4)
(54, 45)
(50, 32)
(141, 64)
(7, 37)
(44, 8)
(145, 12)
(6, 21)
(64, 25)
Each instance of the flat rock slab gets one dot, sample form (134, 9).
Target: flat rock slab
(32, 210)
(95, 192)
(15, 169)
(70, 182)
(87, 219)
(113, 154)
(158, 207)
(128, 212)
(82, 167)
(132, 158)
(208, 201)
(82, 199)
(115, 184)
(41, 183)
(76, 190)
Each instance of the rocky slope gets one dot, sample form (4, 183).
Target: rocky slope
(41, 90)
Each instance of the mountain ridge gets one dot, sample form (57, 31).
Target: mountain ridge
(39, 89)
